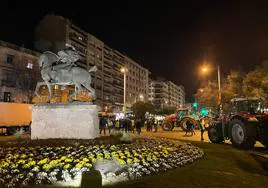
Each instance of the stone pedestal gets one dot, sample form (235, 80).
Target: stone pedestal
(68, 121)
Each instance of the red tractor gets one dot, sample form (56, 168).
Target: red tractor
(246, 124)
(179, 119)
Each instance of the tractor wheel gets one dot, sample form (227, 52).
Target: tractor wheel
(168, 126)
(215, 133)
(243, 135)
(183, 123)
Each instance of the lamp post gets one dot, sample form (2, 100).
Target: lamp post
(124, 70)
(205, 70)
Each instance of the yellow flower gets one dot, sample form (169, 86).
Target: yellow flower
(21, 161)
(32, 163)
(43, 161)
(23, 156)
(129, 161)
(16, 156)
(88, 165)
(121, 162)
(14, 166)
(54, 162)
(4, 164)
(68, 148)
(100, 158)
(46, 166)
(85, 159)
(26, 166)
(67, 166)
(91, 155)
(136, 160)
(107, 155)
(69, 160)
(63, 158)
(79, 165)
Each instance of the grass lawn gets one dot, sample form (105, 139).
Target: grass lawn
(222, 166)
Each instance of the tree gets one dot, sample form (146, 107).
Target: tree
(140, 108)
(26, 82)
(207, 96)
(255, 83)
(165, 111)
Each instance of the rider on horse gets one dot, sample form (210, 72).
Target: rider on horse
(68, 57)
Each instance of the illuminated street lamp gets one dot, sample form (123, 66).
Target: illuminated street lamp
(141, 97)
(124, 70)
(205, 69)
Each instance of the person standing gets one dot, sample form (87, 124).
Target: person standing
(102, 124)
(138, 126)
(202, 128)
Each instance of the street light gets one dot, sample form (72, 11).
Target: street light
(205, 69)
(124, 70)
(141, 97)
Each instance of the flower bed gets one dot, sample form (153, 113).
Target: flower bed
(51, 164)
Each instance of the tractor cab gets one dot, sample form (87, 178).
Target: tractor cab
(182, 112)
(247, 107)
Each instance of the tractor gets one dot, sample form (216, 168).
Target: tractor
(246, 123)
(179, 119)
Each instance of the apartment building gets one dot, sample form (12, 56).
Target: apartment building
(19, 73)
(159, 93)
(176, 95)
(166, 94)
(53, 32)
(137, 83)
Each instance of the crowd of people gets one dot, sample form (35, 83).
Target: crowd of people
(151, 124)
(127, 124)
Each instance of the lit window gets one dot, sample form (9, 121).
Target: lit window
(80, 38)
(56, 87)
(29, 66)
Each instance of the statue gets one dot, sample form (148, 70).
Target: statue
(62, 70)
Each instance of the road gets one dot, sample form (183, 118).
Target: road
(177, 133)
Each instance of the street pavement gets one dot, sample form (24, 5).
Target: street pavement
(178, 133)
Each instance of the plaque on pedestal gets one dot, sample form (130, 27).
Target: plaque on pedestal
(66, 121)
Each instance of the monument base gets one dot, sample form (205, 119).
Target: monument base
(66, 121)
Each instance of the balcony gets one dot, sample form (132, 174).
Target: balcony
(78, 38)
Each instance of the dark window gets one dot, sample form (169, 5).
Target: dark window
(9, 59)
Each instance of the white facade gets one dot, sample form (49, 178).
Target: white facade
(166, 94)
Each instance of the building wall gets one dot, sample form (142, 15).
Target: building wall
(55, 31)
(159, 93)
(137, 82)
(15, 64)
(166, 94)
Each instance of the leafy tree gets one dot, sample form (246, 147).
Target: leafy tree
(255, 83)
(140, 108)
(26, 82)
(207, 96)
(165, 111)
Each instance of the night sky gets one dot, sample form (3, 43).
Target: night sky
(171, 40)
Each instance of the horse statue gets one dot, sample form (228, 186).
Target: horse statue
(70, 75)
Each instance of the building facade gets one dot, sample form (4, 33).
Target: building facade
(159, 93)
(137, 83)
(19, 73)
(166, 94)
(53, 32)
